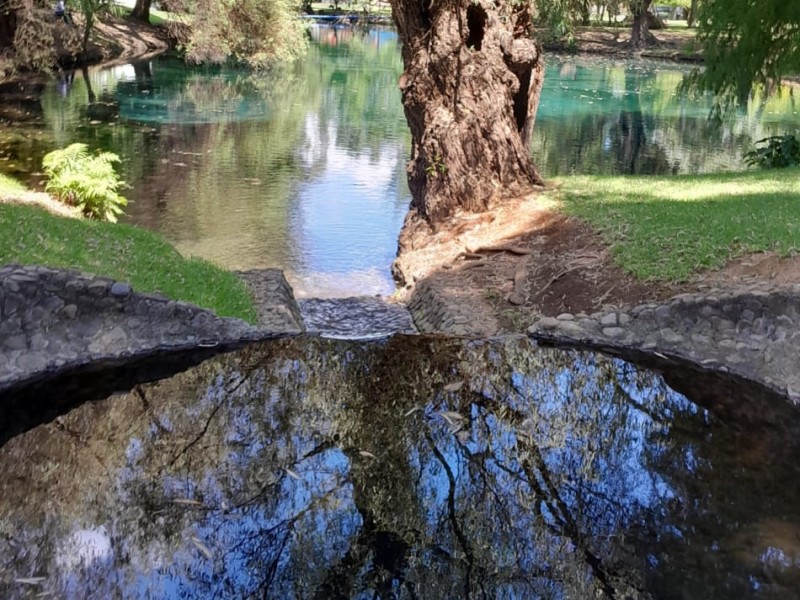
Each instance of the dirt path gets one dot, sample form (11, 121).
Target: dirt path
(528, 260)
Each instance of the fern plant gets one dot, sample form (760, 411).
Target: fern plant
(776, 152)
(86, 181)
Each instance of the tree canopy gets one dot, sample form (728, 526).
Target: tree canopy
(748, 42)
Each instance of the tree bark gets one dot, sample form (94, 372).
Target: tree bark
(640, 31)
(141, 11)
(692, 16)
(471, 85)
(8, 24)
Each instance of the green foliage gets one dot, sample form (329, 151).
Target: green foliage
(667, 228)
(10, 186)
(90, 10)
(259, 33)
(86, 181)
(748, 43)
(29, 235)
(776, 152)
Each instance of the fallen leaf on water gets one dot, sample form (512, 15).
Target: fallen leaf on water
(451, 417)
(29, 580)
(292, 474)
(202, 548)
(454, 387)
(367, 454)
(412, 411)
(187, 501)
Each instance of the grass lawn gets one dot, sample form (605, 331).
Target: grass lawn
(10, 186)
(667, 227)
(30, 235)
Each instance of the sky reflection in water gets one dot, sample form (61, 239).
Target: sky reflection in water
(409, 468)
(304, 169)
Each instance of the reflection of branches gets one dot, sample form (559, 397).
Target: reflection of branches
(210, 418)
(451, 509)
(541, 483)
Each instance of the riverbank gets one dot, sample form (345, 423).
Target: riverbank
(36, 230)
(674, 44)
(114, 40)
(592, 243)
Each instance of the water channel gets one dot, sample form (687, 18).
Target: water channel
(408, 468)
(305, 169)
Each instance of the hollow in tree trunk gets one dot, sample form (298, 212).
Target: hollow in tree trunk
(640, 31)
(471, 86)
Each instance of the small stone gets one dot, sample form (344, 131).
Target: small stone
(571, 329)
(11, 305)
(624, 319)
(613, 332)
(700, 339)
(97, 288)
(663, 313)
(609, 320)
(69, 311)
(671, 337)
(747, 315)
(565, 317)
(31, 362)
(16, 342)
(546, 323)
(120, 290)
(11, 285)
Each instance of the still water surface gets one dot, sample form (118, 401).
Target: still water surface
(407, 468)
(305, 169)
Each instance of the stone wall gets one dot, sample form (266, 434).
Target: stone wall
(753, 333)
(53, 320)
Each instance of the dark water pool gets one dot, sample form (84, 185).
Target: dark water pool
(305, 169)
(407, 468)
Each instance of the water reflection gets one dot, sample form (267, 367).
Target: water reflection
(410, 468)
(304, 169)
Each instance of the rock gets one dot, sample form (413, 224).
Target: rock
(613, 332)
(609, 320)
(120, 290)
(565, 317)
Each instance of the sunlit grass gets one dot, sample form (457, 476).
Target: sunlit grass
(10, 186)
(30, 235)
(668, 227)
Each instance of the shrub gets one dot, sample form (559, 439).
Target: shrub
(86, 181)
(778, 151)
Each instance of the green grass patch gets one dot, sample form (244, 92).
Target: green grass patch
(668, 227)
(10, 186)
(30, 235)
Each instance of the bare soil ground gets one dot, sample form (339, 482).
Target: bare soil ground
(671, 44)
(528, 260)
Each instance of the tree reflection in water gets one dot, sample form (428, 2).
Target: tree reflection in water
(409, 468)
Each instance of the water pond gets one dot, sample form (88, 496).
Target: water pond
(407, 468)
(305, 169)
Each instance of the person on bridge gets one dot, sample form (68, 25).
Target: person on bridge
(61, 12)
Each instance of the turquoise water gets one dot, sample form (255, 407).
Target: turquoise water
(304, 169)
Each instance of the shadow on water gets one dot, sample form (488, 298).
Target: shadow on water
(411, 467)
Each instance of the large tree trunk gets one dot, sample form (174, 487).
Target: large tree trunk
(640, 32)
(141, 11)
(471, 86)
